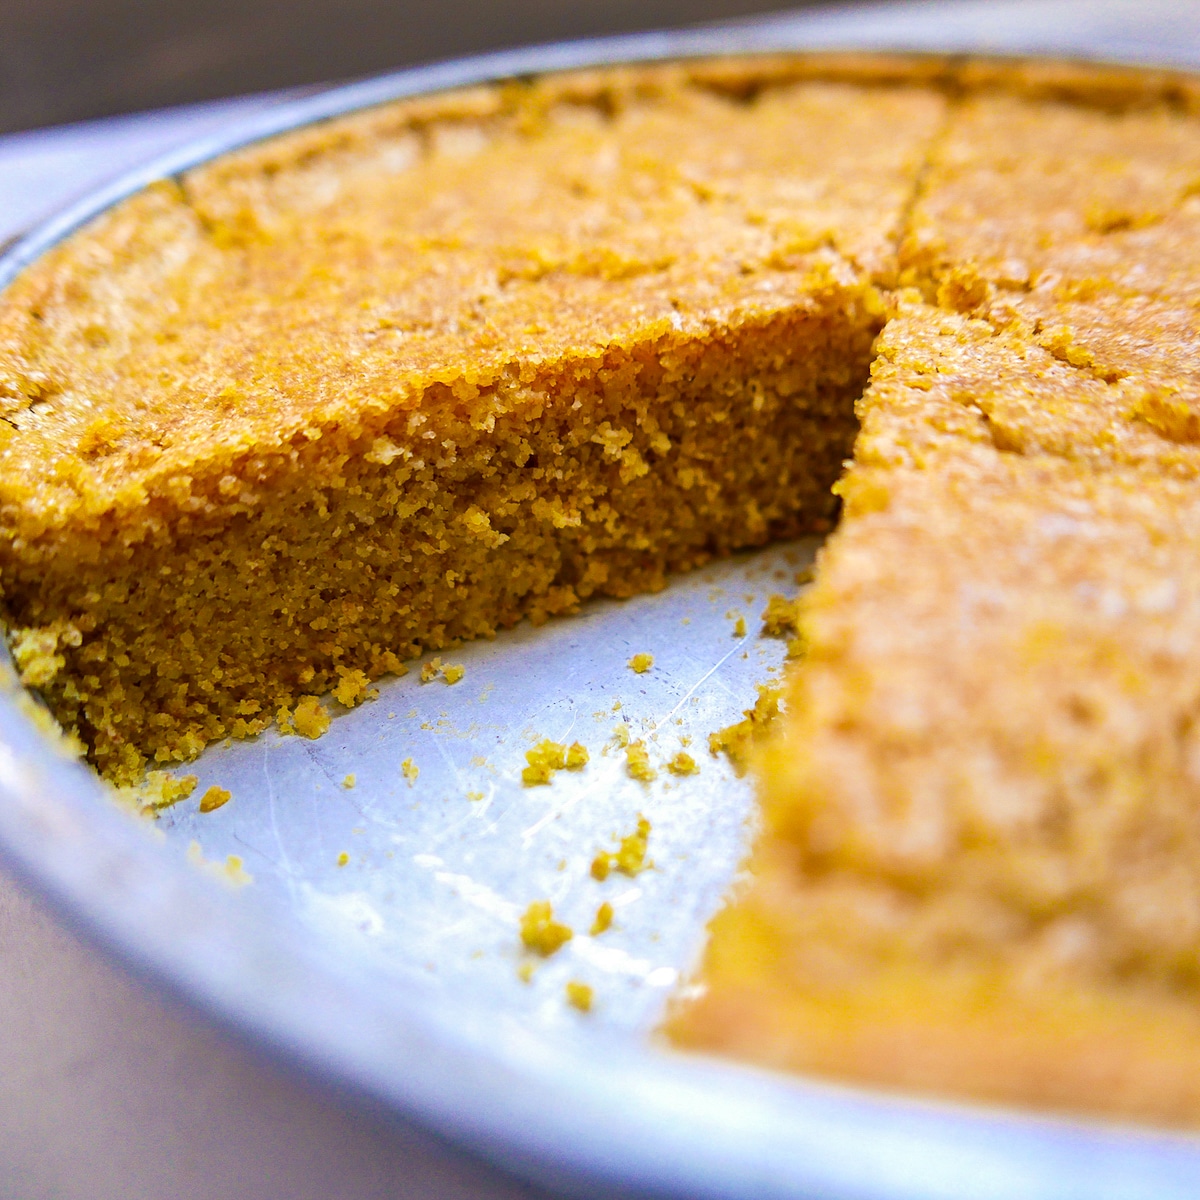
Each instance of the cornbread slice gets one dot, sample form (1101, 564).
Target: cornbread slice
(416, 374)
(980, 870)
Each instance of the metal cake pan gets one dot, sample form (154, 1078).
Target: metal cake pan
(394, 976)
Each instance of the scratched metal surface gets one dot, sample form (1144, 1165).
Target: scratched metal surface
(439, 869)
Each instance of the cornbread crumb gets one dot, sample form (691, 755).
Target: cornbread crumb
(641, 663)
(781, 616)
(349, 781)
(309, 719)
(474, 796)
(739, 627)
(35, 652)
(353, 687)
(343, 859)
(540, 932)
(738, 740)
(451, 673)
(156, 791)
(629, 857)
(214, 798)
(579, 995)
(683, 764)
(525, 971)
(577, 756)
(410, 770)
(544, 759)
(637, 762)
(620, 734)
(604, 918)
(231, 872)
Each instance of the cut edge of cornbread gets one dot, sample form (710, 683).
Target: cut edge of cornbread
(599, 477)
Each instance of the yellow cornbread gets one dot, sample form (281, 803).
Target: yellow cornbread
(412, 375)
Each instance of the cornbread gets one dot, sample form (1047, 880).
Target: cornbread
(278, 425)
(332, 400)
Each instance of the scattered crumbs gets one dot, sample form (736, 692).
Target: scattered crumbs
(343, 859)
(214, 798)
(616, 706)
(641, 663)
(686, 621)
(547, 757)
(349, 781)
(686, 739)
(683, 764)
(749, 597)
(411, 714)
(426, 724)
(450, 672)
(479, 761)
(630, 856)
(637, 762)
(579, 995)
(540, 932)
(410, 771)
(230, 872)
(620, 734)
(562, 865)
(804, 576)
(391, 716)
(308, 719)
(604, 916)
(737, 740)
(525, 971)
(474, 796)
(739, 627)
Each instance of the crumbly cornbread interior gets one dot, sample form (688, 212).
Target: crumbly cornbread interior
(413, 375)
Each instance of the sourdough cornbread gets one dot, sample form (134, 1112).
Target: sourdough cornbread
(409, 376)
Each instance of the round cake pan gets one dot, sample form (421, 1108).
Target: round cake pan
(596, 1108)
